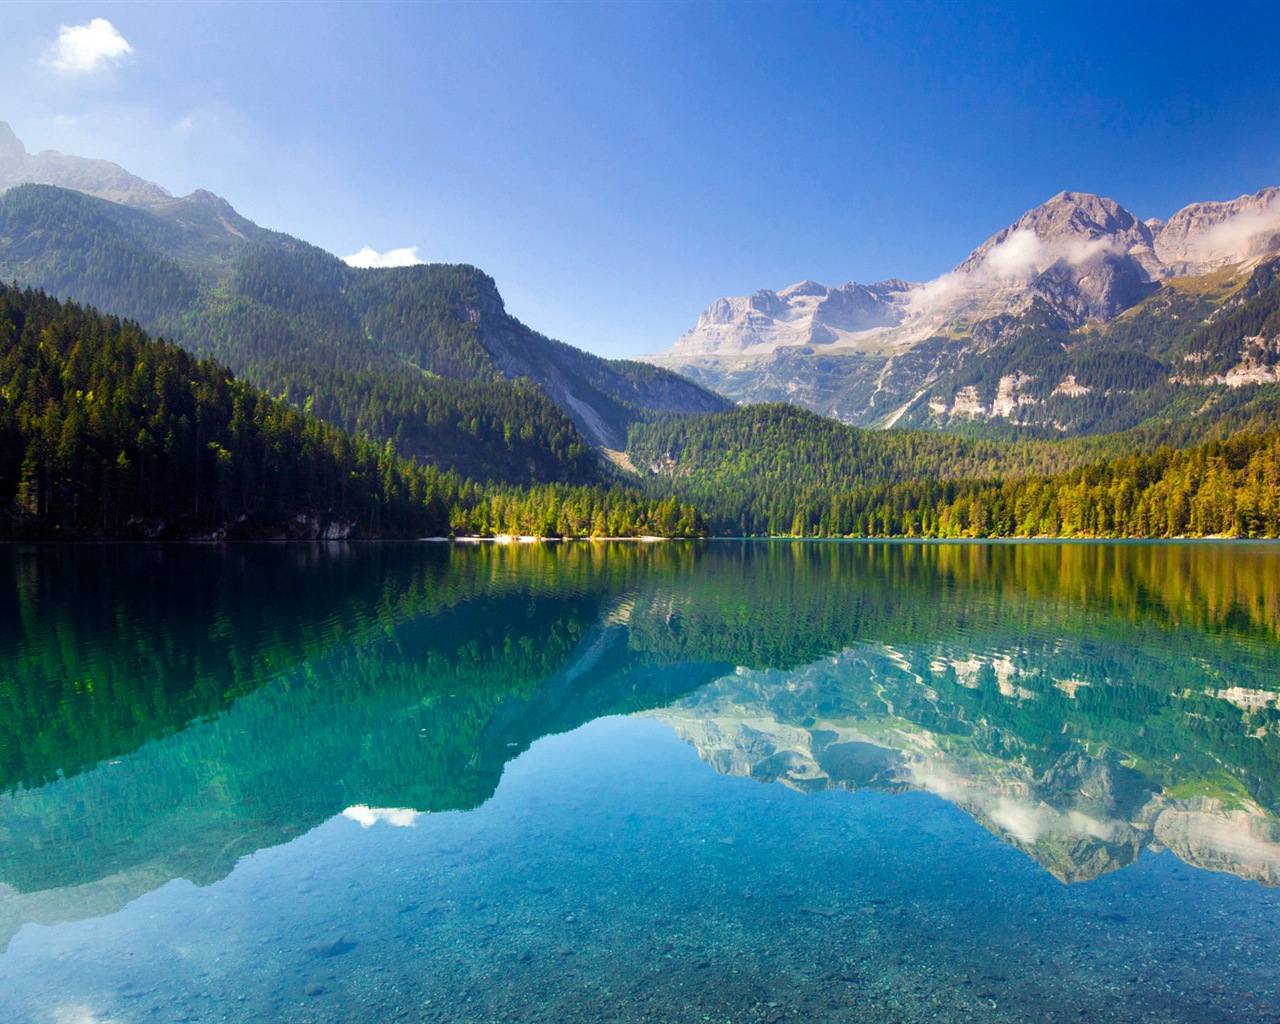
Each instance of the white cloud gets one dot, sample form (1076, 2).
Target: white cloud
(401, 817)
(1015, 259)
(370, 257)
(81, 49)
(1021, 252)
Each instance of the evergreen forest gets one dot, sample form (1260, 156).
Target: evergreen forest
(775, 470)
(105, 433)
(423, 356)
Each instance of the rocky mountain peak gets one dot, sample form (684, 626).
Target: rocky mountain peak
(204, 197)
(1083, 212)
(889, 286)
(804, 314)
(12, 151)
(868, 353)
(1072, 226)
(804, 288)
(1085, 255)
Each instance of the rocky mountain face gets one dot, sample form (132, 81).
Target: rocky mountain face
(864, 720)
(1087, 257)
(1055, 280)
(804, 314)
(99, 178)
(1205, 237)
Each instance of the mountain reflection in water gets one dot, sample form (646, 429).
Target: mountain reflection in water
(168, 711)
(865, 719)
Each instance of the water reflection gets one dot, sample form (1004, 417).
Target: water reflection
(166, 712)
(1077, 804)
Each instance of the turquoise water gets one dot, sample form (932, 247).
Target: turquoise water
(728, 782)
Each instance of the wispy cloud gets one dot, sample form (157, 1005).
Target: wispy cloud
(1016, 259)
(82, 49)
(370, 257)
(1232, 236)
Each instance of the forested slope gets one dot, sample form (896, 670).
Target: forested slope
(105, 433)
(777, 470)
(424, 356)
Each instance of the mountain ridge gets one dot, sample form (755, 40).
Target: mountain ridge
(1075, 263)
(100, 178)
(425, 356)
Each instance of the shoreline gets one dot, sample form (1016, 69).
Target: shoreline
(506, 540)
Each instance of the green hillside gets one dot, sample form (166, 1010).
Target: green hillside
(105, 433)
(424, 356)
(777, 470)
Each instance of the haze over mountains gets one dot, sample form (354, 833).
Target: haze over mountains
(895, 351)
(99, 178)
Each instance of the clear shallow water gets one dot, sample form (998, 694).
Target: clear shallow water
(727, 782)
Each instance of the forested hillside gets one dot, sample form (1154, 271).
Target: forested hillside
(105, 433)
(424, 356)
(1220, 489)
(778, 470)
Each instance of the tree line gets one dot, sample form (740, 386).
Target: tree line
(1221, 489)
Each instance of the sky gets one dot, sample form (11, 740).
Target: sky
(618, 167)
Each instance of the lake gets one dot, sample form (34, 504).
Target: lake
(719, 781)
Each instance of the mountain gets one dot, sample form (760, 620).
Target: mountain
(96, 177)
(424, 356)
(1021, 333)
(1204, 237)
(804, 314)
(106, 435)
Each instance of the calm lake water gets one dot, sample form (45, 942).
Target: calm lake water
(730, 782)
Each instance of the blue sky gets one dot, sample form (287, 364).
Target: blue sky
(618, 167)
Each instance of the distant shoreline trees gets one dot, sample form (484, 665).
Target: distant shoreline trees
(778, 471)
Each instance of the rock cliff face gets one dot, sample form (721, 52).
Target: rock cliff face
(1087, 256)
(854, 722)
(804, 314)
(865, 352)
